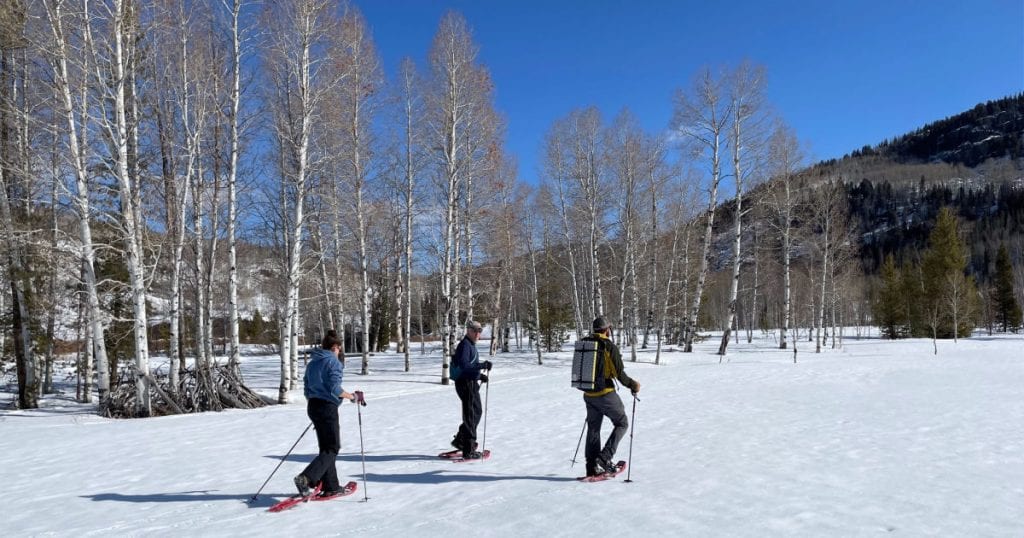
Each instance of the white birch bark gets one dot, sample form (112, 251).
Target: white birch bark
(451, 59)
(116, 61)
(235, 102)
(557, 169)
(746, 95)
(702, 118)
(668, 289)
(59, 61)
(785, 158)
(587, 166)
(753, 299)
(199, 268)
(536, 295)
(409, 102)
(298, 31)
(362, 75)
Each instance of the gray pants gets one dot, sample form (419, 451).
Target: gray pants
(609, 405)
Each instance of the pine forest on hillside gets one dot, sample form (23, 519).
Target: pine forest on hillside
(181, 178)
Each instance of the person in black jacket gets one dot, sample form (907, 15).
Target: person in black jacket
(466, 367)
(323, 393)
(605, 402)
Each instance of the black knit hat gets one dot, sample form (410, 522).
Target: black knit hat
(600, 324)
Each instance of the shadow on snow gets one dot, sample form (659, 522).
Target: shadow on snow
(442, 477)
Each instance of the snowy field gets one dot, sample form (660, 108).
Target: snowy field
(879, 437)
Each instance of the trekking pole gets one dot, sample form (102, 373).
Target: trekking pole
(632, 426)
(257, 494)
(578, 443)
(362, 453)
(487, 394)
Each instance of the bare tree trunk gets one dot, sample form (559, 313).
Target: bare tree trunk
(325, 281)
(668, 288)
(652, 242)
(23, 348)
(59, 63)
(734, 286)
(119, 133)
(282, 388)
(821, 304)
(334, 298)
(576, 308)
(686, 281)
(452, 58)
(704, 121)
(13, 163)
(753, 300)
(467, 221)
(746, 95)
(364, 295)
(591, 188)
(787, 308)
(536, 298)
(408, 79)
(419, 304)
(235, 102)
(296, 37)
(834, 304)
(53, 273)
(199, 262)
(399, 284)
(635, 308)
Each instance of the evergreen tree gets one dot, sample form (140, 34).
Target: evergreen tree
(1008, 311)
(949, 297)
(911, 292)
(889, 308)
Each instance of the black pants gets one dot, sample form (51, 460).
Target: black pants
(469, 393)
(324, 415)
(609, 405)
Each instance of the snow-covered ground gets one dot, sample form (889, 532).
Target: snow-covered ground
(877, 437)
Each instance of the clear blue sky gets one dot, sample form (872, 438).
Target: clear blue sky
(843, 74)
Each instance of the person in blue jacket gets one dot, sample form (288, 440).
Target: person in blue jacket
(323, 396)
(466, 367)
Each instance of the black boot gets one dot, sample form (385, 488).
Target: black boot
(606, 466)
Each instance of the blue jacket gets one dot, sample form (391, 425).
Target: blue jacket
(323, 376)
(466, 361)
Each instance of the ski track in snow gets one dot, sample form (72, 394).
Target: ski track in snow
(875, 437)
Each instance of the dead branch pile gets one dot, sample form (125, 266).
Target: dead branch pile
(205, 389)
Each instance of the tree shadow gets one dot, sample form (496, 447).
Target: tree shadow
(362, 380)
(443, 477)
(306, 458)
(388, 457)
(265, 500)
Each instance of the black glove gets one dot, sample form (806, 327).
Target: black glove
(483, 378)
(486, 365)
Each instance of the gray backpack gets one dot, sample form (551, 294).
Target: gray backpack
(588, 365)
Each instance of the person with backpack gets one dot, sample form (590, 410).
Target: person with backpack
(603, 401)
(466, 371)
(323, 396)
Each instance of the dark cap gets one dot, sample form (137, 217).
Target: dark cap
(600, 324)
(475, 325)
